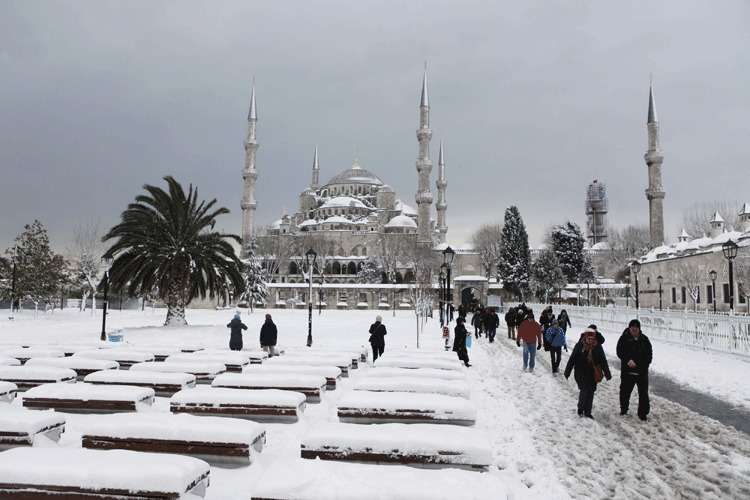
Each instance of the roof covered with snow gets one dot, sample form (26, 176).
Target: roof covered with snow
(704, 244)
(336, 219)
(402, 221)
(404, 208)
(355, 175)
(343, 202)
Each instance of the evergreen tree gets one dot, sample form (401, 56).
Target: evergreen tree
(514, 263)
(546, 275)
(371, 272)
(567, 242)
(254, 274)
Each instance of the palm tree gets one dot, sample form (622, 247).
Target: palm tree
(166, 246)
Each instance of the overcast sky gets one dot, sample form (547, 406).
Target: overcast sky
(533, 99)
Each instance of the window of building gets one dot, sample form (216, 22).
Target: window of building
(648, 280)
(698, 296)
(683, 294)
(725, 289)
(674, 295)
(709, 295)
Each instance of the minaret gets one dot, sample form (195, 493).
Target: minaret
(315, 184)
(655, 191)
(249, 175)
(424, 167)
(441, 205)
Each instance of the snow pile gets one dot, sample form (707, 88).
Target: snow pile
(32, 352)
(327, 480)
(119, 354)
(433, 373)
(323, 371)
(417, 362)
(165, 426)
(36, 374)
(196, 367)
(439, 407)
(229, 358)
(271, 380)
(7, 361)
(98, 469)
(128, 377)
(90, 392)
(424, 385)
(74, 363)
(312, 359)
(28, 422)
(465, 445)
(8, 391)
(217, 396)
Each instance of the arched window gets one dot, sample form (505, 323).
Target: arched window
(336, 268)
(351, 268)
(293, 268)
(409, 277)
(355, 251)
(399, 278)
(328, 268)
(364, 251)
(359, 266)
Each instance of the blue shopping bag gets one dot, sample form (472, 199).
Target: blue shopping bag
(468, 341)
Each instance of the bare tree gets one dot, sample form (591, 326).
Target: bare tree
(690, 275)
(695, 220)
(274, 250)
(742, 272)
(421, 261)
(627, 244)
(87, 253)
(487, 240)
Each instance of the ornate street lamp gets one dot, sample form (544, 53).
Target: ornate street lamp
(660, 279)
(448, 255)
(107, 263)
(729, 249)
(712, 274)
(441, 281)
(635, 266)
(310, 257)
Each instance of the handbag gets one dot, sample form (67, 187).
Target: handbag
(598, 373)
(468, 341)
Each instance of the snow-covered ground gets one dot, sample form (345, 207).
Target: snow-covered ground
(541, 448)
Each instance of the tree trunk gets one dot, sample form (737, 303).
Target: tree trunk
(175, 306)
(84, 298)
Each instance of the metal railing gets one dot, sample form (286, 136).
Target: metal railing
(716, 332)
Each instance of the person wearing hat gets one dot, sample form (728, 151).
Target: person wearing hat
(235, 328)
(635, 353)
(589, 363)
(459, 341)
(377, 337)
(269, 336)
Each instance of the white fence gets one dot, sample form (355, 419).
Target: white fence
(718, 332)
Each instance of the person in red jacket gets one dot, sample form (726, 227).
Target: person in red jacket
(530, 334)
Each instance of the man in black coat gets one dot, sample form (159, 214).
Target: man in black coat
(377, 337)
(635, 353)
(492, 322)
(235, 336)
(510, 322)
(459, 341)
(268, 336)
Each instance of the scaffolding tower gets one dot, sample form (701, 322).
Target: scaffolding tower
(597, 207)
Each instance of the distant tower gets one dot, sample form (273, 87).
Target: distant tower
(424, 167)
(597, 207)
(315, 171)
(655, 191)
(249, 175)
(441, 205)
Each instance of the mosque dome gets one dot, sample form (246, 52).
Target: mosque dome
(355, 175)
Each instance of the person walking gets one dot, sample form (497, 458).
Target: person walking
(563, 320)
(599, 336)
(590, 364)
(547, 319)
(555, 337)
(635, 353)
(268, 336)
(476, 322)
(462, 311)
(377, 337)
(530, 333)
(510, 322)
(459, 341)
(492, 323)
(235, 332)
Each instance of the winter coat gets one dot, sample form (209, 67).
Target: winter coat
(529, 331)
(461, 311)
(377, 334)
(639, 350)
(235, 336)
(563, 320)
(492, 321)
(510, 317)
(268, 334)
(476, 320)
(555, 336)
(584, 370)
(546, 319)
(520, 315)
(459, 337)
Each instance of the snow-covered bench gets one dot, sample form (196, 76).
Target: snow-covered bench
(8, 361)
(317, 479)
(219, 441)
(82, 366)
(24, 428)
(160, 352)
(417, 362)
(88, 398)
(331, 373)
(203, 371)
(355, 354)
(8, 392)
(408, 444)
(404, 407)
(26, 377)
(163, 384)
(311, 386)
(124, 357)
(80, 474)
(457, 388)
(267, 406)
(420, 354)
(434, 373)
(23, 354)
(341, 362)
(233, 361)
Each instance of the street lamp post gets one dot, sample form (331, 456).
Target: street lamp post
(393, 282)
(730, 249)
(660, 279)
(320, 293)
(713, 274)
(310, 257)
(635, 266)
(107, 261)
(441, 281)
(448, 255)
(588, 293)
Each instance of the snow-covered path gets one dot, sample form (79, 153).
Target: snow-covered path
(676, 454)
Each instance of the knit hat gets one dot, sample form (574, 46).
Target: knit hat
(236, 315)
(379, 318)
(634, 322)
(589, 331)
(593, 327)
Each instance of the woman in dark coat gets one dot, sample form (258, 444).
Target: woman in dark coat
(586, 355)
(563, 320)
(377, 337)
(268, 336)
(235, 336)
(459, 341)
